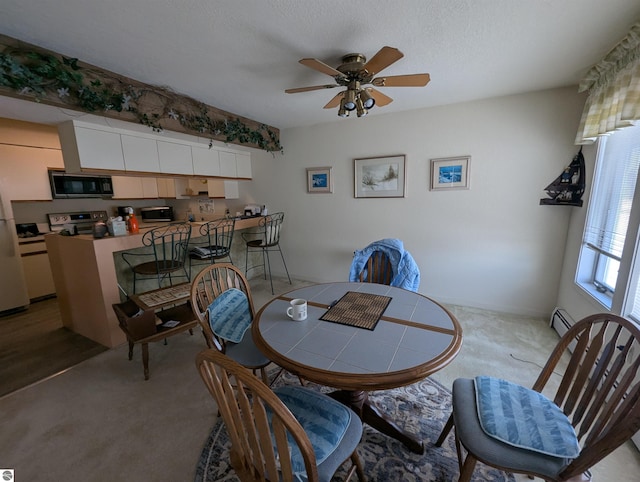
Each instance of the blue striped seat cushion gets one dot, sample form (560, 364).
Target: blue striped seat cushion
(230, 315)
(324, 420)
(524, 418)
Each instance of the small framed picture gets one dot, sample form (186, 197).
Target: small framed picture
(319, 179)
(450, 173)
(379, 177)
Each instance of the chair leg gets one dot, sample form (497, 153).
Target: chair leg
(130, 350)
(445, 431)
(355, 458)
(467, 468)
(145, 360)
(268, 265)
(285, 264)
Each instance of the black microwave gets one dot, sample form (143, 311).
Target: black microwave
(65, 186)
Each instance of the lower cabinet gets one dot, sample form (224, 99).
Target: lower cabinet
(37, 271)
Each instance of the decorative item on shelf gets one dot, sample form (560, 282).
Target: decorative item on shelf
(567, 189)
(33, 73)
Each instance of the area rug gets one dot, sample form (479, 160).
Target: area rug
(421, 408)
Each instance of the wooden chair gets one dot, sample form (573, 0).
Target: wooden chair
(267, 240)
(599, 394)
(141, 327)
(169, 251)
(208, 285)
(274, 434)
(217, 237)
(377, 270)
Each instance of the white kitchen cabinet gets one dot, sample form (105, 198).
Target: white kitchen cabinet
(166, 188)
(228, 164)
(37, 270)
(235, 165)
(231, 190)
(140, 154)
(88, 148)
(206, 161)
(243, 165)
(175, 158)
(131, 187)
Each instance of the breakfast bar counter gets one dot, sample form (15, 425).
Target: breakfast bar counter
(86, 277)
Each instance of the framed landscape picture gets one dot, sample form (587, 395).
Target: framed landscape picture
(319, 179)
(379, 177)
(450, 173)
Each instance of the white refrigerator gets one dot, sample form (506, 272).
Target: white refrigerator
(13, 287)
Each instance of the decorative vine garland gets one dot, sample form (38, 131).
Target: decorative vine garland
(45, 75)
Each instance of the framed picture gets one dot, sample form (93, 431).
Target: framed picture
(380, 176)
(319, 179)
(450, 173)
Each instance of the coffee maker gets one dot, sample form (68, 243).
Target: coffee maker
(124, 211)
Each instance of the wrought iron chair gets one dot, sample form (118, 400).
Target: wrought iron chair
(268, 240)
(168, 252)
(598, 396)
(209, 285)
(290, 433)
(217, 237)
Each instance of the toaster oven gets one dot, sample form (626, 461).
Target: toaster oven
(156, 214)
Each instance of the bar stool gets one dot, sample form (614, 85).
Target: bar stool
(169, 251)
(268, 240)
(217, 237)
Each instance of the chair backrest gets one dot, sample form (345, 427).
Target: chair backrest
(378, 269)
(219, 235)
(270, 226)
(210, 283)
(259, 424)
(600, 386)
(170, 245)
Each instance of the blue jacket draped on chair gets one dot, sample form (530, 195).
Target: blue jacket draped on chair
(406, 273)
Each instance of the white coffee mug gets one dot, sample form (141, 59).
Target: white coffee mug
(298, 309)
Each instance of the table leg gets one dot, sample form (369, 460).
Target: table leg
(370, 414)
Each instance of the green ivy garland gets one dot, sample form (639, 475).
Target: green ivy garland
(43, 74)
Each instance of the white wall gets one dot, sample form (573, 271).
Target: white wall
(492, 246)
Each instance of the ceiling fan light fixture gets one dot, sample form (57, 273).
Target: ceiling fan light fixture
(349, 100)
(360, 108)
(342, 112)
(367, 101)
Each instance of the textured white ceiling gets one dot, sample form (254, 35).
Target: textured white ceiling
(240, 55)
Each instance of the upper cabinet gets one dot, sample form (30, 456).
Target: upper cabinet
(175, 158)
(206, 161)
(89, 147)
(130, 187)
(140, 154)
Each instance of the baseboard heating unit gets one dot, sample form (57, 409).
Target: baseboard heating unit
(561, 321)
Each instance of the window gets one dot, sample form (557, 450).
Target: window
(609, 215)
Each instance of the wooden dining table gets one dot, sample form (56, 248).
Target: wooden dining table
(404, 339)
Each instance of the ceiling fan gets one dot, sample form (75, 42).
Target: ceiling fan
(355, 73)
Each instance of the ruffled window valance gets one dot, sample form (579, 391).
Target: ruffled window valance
(614, 90)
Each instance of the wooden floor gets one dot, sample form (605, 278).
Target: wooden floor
(35, 345)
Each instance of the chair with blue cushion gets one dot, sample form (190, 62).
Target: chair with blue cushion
(590, 411)
(290, 433)
(221, 300)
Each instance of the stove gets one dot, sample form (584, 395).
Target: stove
(80, 222)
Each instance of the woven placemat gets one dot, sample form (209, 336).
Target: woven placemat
(362, 310)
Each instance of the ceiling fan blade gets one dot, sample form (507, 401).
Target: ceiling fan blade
(335, 102)
(380, 98)
(315, 64)
(383, 59)
(307, 89)
(410, 80)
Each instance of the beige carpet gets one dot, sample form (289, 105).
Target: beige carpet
(100, 421)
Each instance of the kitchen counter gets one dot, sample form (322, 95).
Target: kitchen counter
(88, 272)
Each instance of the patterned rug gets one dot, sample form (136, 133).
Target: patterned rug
(421, 408)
